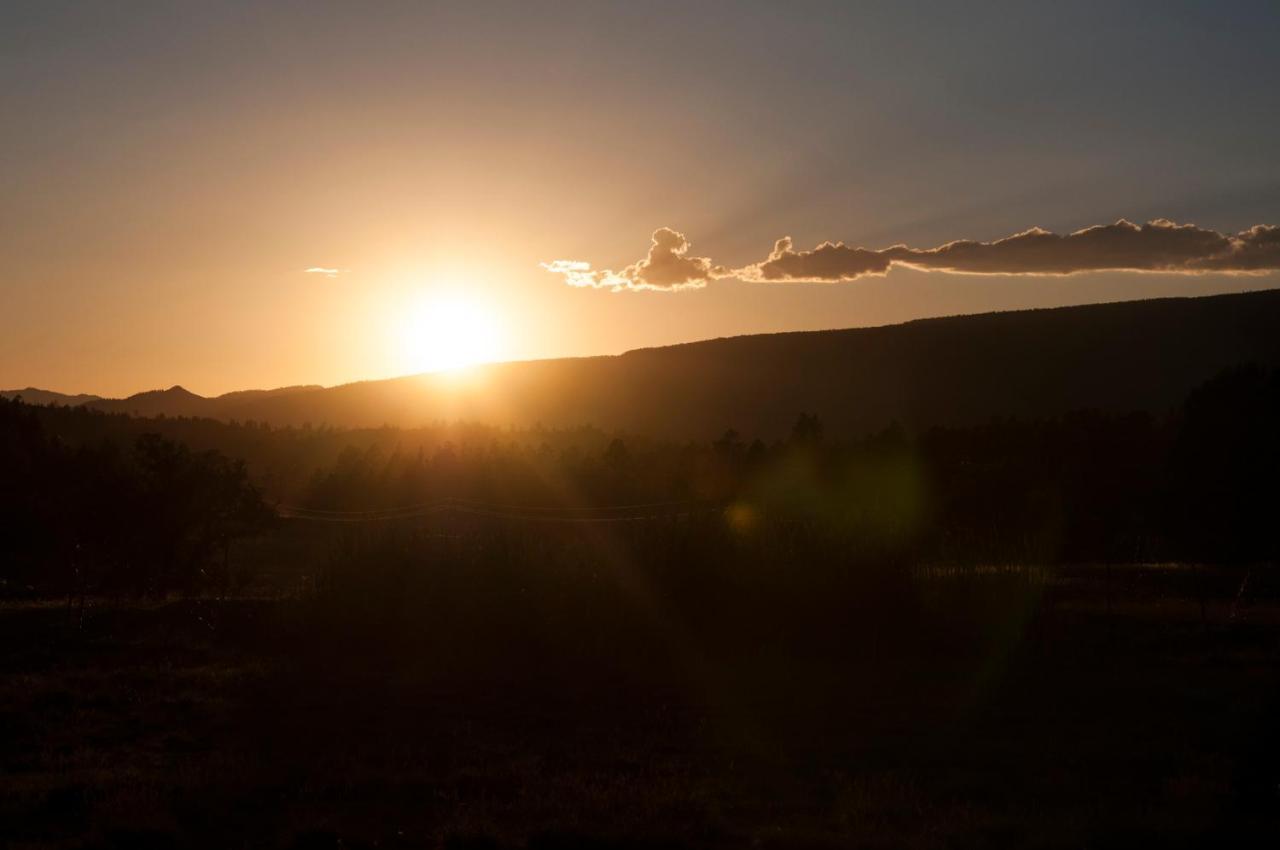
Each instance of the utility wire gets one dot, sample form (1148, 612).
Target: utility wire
(473, 507)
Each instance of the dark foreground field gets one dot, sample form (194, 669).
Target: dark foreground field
(1072, 708)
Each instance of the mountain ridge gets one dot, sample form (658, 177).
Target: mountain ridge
(35, 395)
(1132, 355)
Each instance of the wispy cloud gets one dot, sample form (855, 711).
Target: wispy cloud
(1157, 246)
(324, 271)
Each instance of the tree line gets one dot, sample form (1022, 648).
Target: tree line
(153, 505)
(1198, 484)
(147, 517)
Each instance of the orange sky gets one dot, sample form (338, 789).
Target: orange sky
(168, 175)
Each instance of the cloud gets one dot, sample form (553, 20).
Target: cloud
(324, 271)
(1157, 246)
(667, 268)
(1254, 250)
(1160, 245)
(829, 261)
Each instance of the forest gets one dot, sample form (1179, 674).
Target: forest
(153, 505)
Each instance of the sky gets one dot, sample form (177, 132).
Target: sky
(170, 172)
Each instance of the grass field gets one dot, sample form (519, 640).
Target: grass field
(1100, 709)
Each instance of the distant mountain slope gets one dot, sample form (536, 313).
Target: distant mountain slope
(175, 401)
(235, 398)
(1126, 356)
(1139, 355)
(31, 395)
(179, 401)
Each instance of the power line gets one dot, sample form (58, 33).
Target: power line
(371, 512)
(578, 519)
(565, 509)
(498, 510)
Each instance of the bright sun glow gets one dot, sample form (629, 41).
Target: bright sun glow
(443, 333)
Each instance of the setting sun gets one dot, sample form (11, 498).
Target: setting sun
(602, 424)
(442, 333)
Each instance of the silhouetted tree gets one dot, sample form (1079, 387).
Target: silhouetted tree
(616, 455)
(1223, 499)
(807, 430)
(155, 519)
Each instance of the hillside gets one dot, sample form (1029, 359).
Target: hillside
(179, 401)
(32, 395)
(1127, 356)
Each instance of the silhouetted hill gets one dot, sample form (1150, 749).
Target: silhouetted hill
(175, 401)
(1140, 355)
(1134, 355)
(239, 396)
(31, 395)
(179, 401)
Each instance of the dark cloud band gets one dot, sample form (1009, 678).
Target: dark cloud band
(1157, 246)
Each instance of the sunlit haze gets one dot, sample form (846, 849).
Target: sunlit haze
(443, 333)
(248, 195)
(587, 424)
